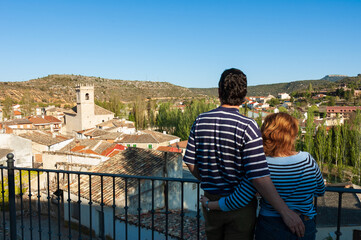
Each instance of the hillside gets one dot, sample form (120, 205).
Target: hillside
(60, 89)
(302, 85)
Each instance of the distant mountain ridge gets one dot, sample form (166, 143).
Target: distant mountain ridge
(60, 88)
(327, 82)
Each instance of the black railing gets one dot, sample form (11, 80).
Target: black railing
(65, 205)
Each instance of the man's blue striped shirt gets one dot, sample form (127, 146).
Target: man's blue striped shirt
(227, 148)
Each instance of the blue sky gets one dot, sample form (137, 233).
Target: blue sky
(187, 43)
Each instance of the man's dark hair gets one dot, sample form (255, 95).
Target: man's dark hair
(232, 87)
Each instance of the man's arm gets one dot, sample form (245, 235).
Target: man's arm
(194, 170)
(266, 188)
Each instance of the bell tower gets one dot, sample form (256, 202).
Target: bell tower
(85, 105)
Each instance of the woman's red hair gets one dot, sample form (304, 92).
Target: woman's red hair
(279, 131)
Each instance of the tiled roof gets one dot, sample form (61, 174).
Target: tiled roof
(111, 136)
(44, 138)
(148, 136)
(169, 149)
(95, 132)
(52, 119)
(138, 138)
(174, 226)
(17, 121)
(161, 137)
(181, 144)
(133, 161)
(116, 123)
(38, 120)
(96, 146)
(16, 112)
(97, 111)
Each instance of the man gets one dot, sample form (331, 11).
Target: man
(225, 152)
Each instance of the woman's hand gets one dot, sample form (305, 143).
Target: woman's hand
(204, 200)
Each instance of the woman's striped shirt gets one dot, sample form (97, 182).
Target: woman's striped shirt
(297, 179)
(227, 148)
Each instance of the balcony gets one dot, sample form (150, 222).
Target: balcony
(59, 204)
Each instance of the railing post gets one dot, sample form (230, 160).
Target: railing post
(11, 185)
(338, 232)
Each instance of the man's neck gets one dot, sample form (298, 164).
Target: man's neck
(229, 106)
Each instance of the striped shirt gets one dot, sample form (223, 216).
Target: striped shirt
(297, 179)
(227, 148)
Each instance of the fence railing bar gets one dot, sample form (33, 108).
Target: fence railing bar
(58, 201)
(152, 211)
(198, 212)
(3, 203)
(79, 208)
(39, 206)
(166, 208)
(102, 207)
(69, 206)
(182, 210)
(114, 206)
(139, 211)
(126, 207)
(49, 219)
(30, 208)
(90, 207)
(338, 232)
(115, 175)
(21, 205)
(11, 190)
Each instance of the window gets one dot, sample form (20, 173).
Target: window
(150, 146)
(87, 96)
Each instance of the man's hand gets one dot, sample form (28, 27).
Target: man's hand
(293, 222)
(266, 188)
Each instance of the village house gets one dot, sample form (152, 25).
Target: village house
(21, 148)
(118, 125)
(136, 162)
(148, 139)
(55, 112)
(44, 141)
(16, 126)
(86, 114)
(283, 96)
(17, 114)
(341, 111)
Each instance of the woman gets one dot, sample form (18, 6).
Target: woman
(295, 175)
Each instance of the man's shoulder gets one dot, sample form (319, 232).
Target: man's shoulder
(219, 112)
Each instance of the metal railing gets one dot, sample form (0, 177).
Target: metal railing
(59, 206)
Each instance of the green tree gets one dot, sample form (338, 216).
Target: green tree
(27, 104)
(7, 108)
(273, 102)
(310, 130)
(282, 109)
(337, 143)
(321, 145)
(139, 109)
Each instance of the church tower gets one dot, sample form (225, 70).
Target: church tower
(85, 105)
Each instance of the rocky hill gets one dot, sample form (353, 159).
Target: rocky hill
(329, 82)
(60, 89)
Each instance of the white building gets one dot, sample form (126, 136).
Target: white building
(20, 147)
(86, 114)
(283, 96)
